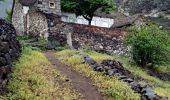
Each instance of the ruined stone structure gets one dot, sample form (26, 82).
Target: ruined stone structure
(18, 18)
(31, 16)
(36, 24)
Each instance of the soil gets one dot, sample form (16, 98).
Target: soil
(81, 83)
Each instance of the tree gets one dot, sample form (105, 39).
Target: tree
(149, 45)
(87, 8)
(1, 1)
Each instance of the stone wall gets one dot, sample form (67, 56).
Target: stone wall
(100, 39)
(18, 18)
(36, 23)
(9, 50)
(116, 69)
(44, 6)
(91, 37)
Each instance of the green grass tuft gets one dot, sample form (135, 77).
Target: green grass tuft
(114, 88)
(110, 86)
(34, 78)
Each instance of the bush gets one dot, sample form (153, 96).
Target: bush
(149, 45)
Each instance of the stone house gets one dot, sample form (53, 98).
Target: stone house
(32, 16)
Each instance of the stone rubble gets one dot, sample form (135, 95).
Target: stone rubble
(115, 68)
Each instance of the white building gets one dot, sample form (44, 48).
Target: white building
(97, 21)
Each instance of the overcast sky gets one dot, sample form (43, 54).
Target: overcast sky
(5, 5)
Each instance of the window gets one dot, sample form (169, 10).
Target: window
(39, 2)
(52, 4)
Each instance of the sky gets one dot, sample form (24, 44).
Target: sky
(3, 6)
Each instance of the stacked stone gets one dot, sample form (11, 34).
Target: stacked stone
(43, 5)
(115, 68)
(9, 49)
(102, 40)
(99, 39)
(56, 37)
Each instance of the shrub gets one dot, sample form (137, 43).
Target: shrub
(8, 17)
(149, 45)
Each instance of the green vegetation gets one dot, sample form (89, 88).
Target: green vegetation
(87, 8)
(149, 45)
(2, 0)
(9, 15)
(162, 88)
(34, 78)
(36, 44)
(110, 86)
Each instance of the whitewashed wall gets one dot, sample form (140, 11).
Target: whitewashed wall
(97, 21)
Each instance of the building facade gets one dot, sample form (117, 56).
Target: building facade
(31, 16)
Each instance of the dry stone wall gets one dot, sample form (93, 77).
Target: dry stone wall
(83, 36)
(116, 69)
(9, 50)
(100, 39)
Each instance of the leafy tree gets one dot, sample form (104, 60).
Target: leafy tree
(149, 45)
(87, 8)
(1, 1)
(69, 5)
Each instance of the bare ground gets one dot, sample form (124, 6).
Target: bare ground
(81, 83)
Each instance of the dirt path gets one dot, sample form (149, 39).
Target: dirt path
(79, 82)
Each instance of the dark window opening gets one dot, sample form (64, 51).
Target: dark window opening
(39, 2)
(52, 5)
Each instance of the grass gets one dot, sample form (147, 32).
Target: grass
(162, 88)
(109, 86)
(31, 42)
(34, 78)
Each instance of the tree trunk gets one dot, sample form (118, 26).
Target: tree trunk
(90, 20)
